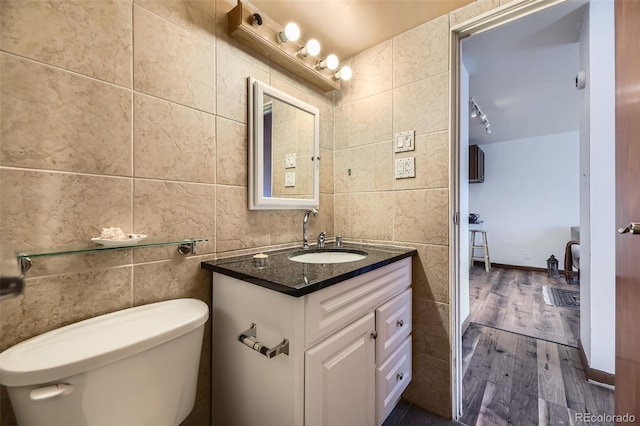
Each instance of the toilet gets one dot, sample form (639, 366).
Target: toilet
(134, 367)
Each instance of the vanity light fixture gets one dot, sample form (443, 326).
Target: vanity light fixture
(345, 74)
(291, 33)
(331, 62)
(312, 48)
(279, 45)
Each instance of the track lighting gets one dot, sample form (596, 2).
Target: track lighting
(291, 33)
(345, 74)
(331, 62)
(477, 112)
(312, 48)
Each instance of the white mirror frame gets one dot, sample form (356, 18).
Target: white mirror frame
(257, 200)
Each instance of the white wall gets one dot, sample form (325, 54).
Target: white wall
(597, 195)
(529, 198)
(464, 194)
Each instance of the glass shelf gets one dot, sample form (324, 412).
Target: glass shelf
(185, 246)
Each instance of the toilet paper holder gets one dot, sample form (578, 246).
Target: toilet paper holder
(249, 338)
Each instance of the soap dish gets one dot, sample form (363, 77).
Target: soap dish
(131, 241)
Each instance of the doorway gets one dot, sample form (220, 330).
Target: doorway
(492, 338)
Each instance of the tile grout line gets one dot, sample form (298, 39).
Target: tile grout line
(133, 162)
(131, 89)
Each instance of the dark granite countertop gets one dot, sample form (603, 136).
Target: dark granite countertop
(297, 279)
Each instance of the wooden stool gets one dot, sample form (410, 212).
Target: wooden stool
(484, 247)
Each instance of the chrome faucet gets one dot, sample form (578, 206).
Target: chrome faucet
(305, 227)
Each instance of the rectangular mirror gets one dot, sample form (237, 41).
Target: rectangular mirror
(284, 150)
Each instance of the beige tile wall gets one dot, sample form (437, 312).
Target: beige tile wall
(130, 114)
(133, 114)
(403, 84)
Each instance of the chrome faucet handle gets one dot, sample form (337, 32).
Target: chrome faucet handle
(321, 239)
(338, 241)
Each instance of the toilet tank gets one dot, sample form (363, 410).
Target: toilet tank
(138, 366)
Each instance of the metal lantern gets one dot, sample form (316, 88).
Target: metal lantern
(552, 267)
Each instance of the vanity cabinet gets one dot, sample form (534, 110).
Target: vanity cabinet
(349, 354)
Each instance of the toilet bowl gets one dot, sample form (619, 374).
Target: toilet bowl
(134, 367)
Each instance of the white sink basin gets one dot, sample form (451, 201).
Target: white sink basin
(328, 256)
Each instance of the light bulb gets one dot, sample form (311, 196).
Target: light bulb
(488, 131)
(291, 33)
(331, 62)
(473, 113)
(344, 74)
(311, 49)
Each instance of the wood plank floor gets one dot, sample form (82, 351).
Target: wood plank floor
(511, 300)
(512, 379)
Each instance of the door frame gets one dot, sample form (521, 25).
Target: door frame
(484, 22)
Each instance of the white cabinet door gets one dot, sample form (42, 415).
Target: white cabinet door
(340, 377)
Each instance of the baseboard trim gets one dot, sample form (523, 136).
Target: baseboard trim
(522, 268)
(592, 373)
(465, 325)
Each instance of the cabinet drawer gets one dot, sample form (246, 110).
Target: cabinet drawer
(392, 378)
(393, 324)
(335, 307)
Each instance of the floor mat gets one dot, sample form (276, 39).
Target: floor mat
(561, 298)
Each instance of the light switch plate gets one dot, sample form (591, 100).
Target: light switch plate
(290, 161)
(404, 141)
(398, 146)
(289, 179)
(410, 140)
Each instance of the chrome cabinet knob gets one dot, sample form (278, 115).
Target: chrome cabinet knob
(400, 323)
(400, 376)
(374, 335)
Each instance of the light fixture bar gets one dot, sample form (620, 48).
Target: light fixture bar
(263, 39)
(477, 112)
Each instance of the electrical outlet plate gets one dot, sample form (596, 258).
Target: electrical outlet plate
(290, 161)
(289, 179)
(405, 168)
(399, 169)
(410, 167)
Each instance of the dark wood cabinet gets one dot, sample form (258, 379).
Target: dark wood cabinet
(476, 164)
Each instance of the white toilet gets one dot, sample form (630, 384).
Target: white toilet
(134, 367)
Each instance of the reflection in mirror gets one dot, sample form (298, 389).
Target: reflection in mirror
(283, 150)
(288, 150)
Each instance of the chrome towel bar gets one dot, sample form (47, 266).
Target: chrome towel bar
(249, 338)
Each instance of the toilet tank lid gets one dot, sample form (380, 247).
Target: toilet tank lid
(98, 341)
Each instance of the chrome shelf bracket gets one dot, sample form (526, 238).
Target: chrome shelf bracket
(25, 264)
(187, 248)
